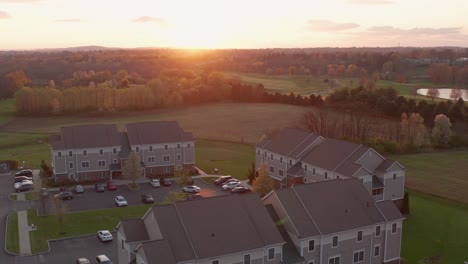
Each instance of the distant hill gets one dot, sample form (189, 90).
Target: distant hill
(79, 48)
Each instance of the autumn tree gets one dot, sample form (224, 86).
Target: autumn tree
(440, 73)
(455, 94)
(442, 131)
(12, 82)
(182, 177)
(433, 93)
(413, 129)
(132, 169)
(264, 183)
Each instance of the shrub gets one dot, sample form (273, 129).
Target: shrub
(12, 164)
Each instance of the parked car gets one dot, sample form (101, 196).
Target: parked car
(230, 186)
(26, 172)
(103, 259)
(79, 189)
(222, 180)
(99, 187)
(82, 261)
(105, 235)
(229, 181)
(155, 183)
(191, 189)
(240, 189)
(120, 201)
(147, 198)
(22, 178)
(19, 184)
(25, 187)
(65, 195)
(194, 196)
(165, 182)
(111, 186)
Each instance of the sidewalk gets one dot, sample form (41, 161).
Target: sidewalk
(23, 233)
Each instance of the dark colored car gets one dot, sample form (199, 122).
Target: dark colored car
(111, 186)
(79, 189)
(22, 178)
(165, 182)
(65, 195)
(240, 189)
(194, 196)
(26, 172)
(147, 198)
(222, 180)
(99, 187)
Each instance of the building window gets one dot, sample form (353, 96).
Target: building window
(137, 149)
(101, 163)
(305, 179)
(247, 259)
(101, 174)
(166, 170)
(281, 160)
(114, 151)
(166, 158)
(85, 164)
(151, 148)
(394, 176)
(265, 154)
(215, 261)
(271, 253)
(166, 147)
(359, 236)
(258, 152)
(377, 251)
(188, 145)
(313, 171)
(281, 173)
(122, 243)
(178, 157)
(115, 161)
(326, 175)
(305, 167)
(334, 260)
(151, 159)
(71, 165)
(290, 162)
(311, 262)
(394, 228)
(85, 153)
(335, 241)
(272, 169)
(271, 156)
(59, 154)
(377, 231)
(311, 245)
(178, 146)
(70, 153)
(358, 256)
(101, 152)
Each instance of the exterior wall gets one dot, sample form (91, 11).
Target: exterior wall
(179, 154)
(393, 241)
(93, 176)
(367, 182)
(123, 253)
(313, 255)
(394, 189)
(347, 245)
(154, 172)
(154, 233)
(294, 180)
(257, 256)
(319, 174)
(278, 163)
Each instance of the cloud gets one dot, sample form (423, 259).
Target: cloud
(149, 19)
(389, 30)
(70, 20)
(371, 2)
(19, 1)
(4, 15)
(326, 25)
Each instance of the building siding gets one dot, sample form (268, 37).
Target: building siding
(394, 189)
(393, 241)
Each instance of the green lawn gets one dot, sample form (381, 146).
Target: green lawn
(31, 154)
(436, 227)
(229, 158)
(12, 238)
(31, 196)
(7, 110)
(442, 174)
(77, 223)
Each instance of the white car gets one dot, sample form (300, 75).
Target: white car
(155, 183)
(105, 235)
(191, 189)
(103, 259)
(231, 186)
(19, 184)
(120, 201)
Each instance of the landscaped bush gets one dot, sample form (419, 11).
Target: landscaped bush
(12, 164)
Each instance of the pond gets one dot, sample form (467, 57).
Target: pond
(446, 93)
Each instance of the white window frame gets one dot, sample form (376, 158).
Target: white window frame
(271, 156)
(258, 152)
(310, 262)
(166, 169)
(281, 160)
(101, 152)
(188, 145)
(313, 244)
(250, 259)
(215, 261)
(394, 176)
(179, 157)
(151, 159)
(337, 242)
(376, 246)
(271, 169)
(178, 146)
(380, 230)
(101, 175)
(85, 164)
(334, 257)
(280, 172)
(396, 228)
(268, 252)
(101, 163)
(114, 150)
(70, 153)
(166, 147)
(313, 171)
(70, 165)
(150, 148)
(85, 153)
(137, 149)
(305, 167)
(326, 175)
(167, 158)
(358, 252)
(59, 154)
(362, 236)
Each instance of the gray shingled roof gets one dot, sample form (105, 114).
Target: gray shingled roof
(134, 230)
(331, 206)
(156, 132)
(158, 251)
(86, 136)
(287, 141)
(390, 211)
(203, 228)
(296, 170)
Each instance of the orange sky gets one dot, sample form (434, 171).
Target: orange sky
(28, 24)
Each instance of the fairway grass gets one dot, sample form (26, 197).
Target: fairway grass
(440, 174)
(12, 235)
(78, 223)
(7, 110)
(436, 227)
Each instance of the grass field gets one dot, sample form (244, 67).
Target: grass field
(12, 239)
(7, 110)
(436, 227)
(77, 223)
(442, 174)
(229, 158)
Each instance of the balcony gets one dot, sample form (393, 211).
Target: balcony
(377, 194)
